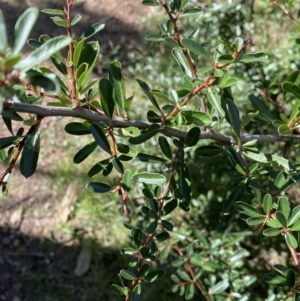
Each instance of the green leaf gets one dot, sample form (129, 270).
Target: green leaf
(127, 180)
(154, 37)
(215, 100)
(77, 52)
(246, 209)
(175, 278)
(171, 42)
(43, 52)
(193, 12)
(136, 293)
(48, 82)
(154, 275)
(238, 255)
(106, 97)
(77, 128)
(93, 29)
(274, 279)
(220, 287)
(284, 130)
(280, 180)
(281, 161)
(117, 164)
(238, 43)
(126, 149)
(152, 227)
(137, 236)
(146, 89)
(34, 43)
(165, 147)
(144, 270)
(128, 251)
(281, 269)
(192, 137)
(284, 206)
(129, 275)
(253, 57)
(149, 158)
(235, 196)
(183, 275)
(167, 225)
(115, 289)
(7, 141)
(50, 11)
(291, 278)
(294, 215)
(296, 226)
(145, 135)
(100, 137)
(59, 21)
(292, 180)
(162, 236)
(76, 19)
(271, 232)
(23, 28)
(150, 2)
(292, 88)
(87, 86)
(182, 61)
(257, 157)
(295, 110)
(98, 187)
(118, 83)
(254, 221)
(189, 291)
(150, 178)
(129, 132)
(82, 154)
(234, 116)
(260, 105)
(196, 117)
(196, 48)
(267, 203)
(291, 240)
(281, 218)
(3, 34)
(170, 206)
(208, 150)
(161, 95)
(274, 223)
(30, 154)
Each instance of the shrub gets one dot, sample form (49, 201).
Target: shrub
(216, 150)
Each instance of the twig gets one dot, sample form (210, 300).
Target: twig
(124, 123)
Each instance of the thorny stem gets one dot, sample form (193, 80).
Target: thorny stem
(72, 74)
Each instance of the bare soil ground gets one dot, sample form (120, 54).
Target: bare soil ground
(37, 259)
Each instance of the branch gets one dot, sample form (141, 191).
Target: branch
(118, 122)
